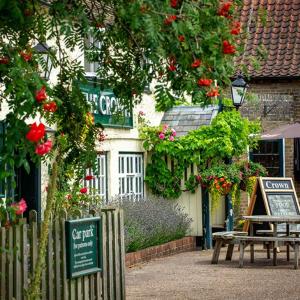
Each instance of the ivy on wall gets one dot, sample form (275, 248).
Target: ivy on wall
(209, 147)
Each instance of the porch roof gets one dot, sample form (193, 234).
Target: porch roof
(186, 118)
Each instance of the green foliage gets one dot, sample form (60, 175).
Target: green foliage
(209, 147)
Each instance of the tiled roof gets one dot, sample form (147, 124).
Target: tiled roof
(280, 36)
(186, 118)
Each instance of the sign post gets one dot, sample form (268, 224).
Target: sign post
(84, 244)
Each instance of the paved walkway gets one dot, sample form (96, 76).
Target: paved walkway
(191, 276)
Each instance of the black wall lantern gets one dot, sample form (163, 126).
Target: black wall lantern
(42, 50)
(238, 91)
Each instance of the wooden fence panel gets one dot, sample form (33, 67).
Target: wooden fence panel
(18, 256)
(24, 257)
(17, 262)
(64, 284)
(49, 264)
(122, 254)
(116, 256)
(10, 263)
(57, 259)
(104, 255)
(3, 263)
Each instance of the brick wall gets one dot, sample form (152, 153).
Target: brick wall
(288, 89)
(284, 109)
(185, 244)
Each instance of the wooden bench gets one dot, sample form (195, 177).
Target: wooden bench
(244, 241)
(269, 232)
(225, 238)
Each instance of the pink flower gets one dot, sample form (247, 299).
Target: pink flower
(69, 197)
(42, 149)
(83, 190)
(171, 138)
(141, 113)
(161, 136)
(165, 127)
(173, 131)
(20, 207)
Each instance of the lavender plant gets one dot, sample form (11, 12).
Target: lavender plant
(151, 222)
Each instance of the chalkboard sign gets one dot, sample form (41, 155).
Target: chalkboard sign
(83, 242)
(283, 204)
(274, 196)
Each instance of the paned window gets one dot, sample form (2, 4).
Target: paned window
(98, 185)
(131, 175)
(91, 66)
(270, 155)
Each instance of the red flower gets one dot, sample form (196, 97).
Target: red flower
(204, 82)
(36, 132)
(89, 177)
(224, 10)
(83, 190)
(41, 95)
(213, 93)
(20, 207)
(173, 3)
(172, 68)
(42, 149)
(26, 56)
(236, 28)
(51, 106)
(196, 63)
(181, 38)
(228, 48)
(170, 19)
(4, 60)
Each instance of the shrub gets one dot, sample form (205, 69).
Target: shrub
(151, 222)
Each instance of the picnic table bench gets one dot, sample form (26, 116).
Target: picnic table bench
(225, 238)
(244, 241)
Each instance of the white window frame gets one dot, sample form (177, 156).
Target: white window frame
(98, 185)
(131, 175)
(91, 67)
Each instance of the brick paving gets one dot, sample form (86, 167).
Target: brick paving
(190, 275)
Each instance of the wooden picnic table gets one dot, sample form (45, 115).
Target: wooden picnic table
(276, 237)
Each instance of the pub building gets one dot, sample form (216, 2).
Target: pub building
(122, 159)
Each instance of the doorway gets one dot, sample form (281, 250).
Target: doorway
(28, 186)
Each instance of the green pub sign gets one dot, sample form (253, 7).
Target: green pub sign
(84, 243)
(108, 110)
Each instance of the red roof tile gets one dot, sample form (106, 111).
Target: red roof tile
(280, 36)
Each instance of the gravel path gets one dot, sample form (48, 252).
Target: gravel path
(190, 275)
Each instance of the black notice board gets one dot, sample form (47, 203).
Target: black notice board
(279, 196)
(274, 196)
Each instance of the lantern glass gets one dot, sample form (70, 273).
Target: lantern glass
(44, 57)
(238, 91)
